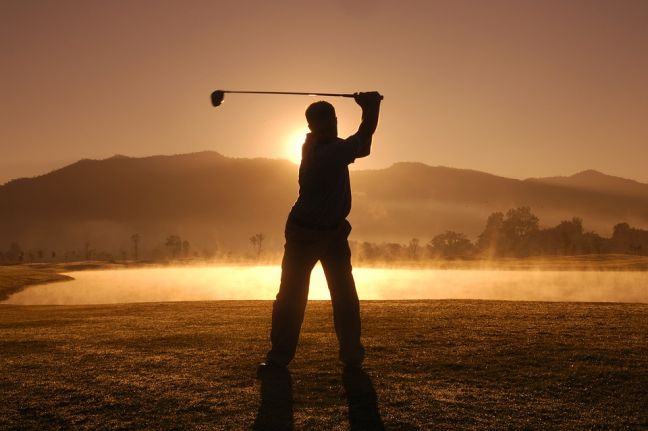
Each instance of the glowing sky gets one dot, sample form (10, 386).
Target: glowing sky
(519, 88)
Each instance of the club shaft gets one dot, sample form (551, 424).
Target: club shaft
(295, 93)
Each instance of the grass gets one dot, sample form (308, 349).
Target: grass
(14, 278)
(442, 365)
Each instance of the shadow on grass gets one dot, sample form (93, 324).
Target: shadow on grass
(276, 410)
(362, 400)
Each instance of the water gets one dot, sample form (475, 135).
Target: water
(261, 282)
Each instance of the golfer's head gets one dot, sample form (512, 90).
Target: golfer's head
(322, 120)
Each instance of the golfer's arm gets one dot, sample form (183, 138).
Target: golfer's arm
(367, 129)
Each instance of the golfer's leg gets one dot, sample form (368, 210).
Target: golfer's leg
(288, 308)
(336, 263)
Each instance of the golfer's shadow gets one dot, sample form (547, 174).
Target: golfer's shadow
(362, 400)
(276, 410)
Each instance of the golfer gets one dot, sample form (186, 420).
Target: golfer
(317, 230)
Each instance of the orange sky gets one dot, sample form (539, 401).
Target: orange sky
(518, 88)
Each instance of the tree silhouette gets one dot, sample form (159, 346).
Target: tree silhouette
(489, 239)
(86, 250)
(393, 251)
(369, 251)
(564, 239)
(626, 239)
(15, 253)
(413, 248)
(174, 244)
(450, 245)
(518, 230)
(593, 243)
(257, 243)
(135, 238)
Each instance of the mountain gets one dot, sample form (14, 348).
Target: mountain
(422, 198)
(597, 181)
(204, 196)
(217, 201)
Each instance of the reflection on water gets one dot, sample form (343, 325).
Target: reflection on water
(261, 282)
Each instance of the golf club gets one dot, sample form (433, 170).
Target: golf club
(218, 95)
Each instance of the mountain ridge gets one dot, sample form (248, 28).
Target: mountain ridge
(587, 173)
(211, 198)
(596, 180)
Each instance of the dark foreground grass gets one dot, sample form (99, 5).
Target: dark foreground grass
(438, 365)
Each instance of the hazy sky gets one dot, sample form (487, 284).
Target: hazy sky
(516, 88)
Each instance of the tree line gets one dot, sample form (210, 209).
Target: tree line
(516, 233)
(174, 247)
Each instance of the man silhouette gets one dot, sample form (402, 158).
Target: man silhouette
(317, 230)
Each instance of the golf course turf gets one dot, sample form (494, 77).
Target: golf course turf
(443, 365)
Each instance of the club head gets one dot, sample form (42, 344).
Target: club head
(217, 98)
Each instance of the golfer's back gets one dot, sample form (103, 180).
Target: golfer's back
(324, 189)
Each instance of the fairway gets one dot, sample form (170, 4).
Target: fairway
(443, 365)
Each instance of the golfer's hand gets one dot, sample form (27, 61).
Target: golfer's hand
(368, 99)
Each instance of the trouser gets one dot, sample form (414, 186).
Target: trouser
(303, 248)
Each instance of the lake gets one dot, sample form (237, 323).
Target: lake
(204, 283)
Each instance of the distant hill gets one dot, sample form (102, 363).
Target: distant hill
(597, 181)
(423, 198)
(212, 199)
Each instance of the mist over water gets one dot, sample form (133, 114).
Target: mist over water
(262, 282)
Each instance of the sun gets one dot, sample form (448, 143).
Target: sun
(294, 142)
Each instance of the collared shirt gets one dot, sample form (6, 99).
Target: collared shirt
(324, 188)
